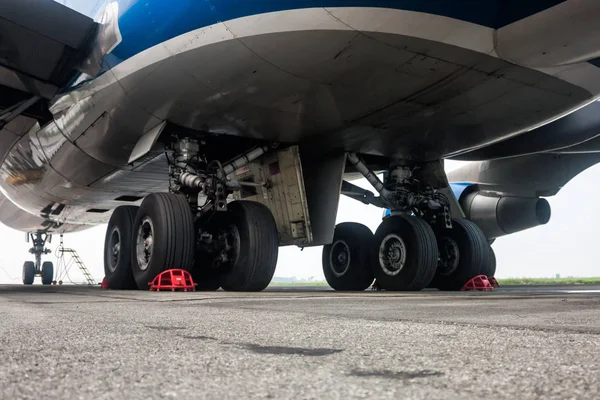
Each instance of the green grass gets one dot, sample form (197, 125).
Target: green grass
(509, 281)
(549, 281)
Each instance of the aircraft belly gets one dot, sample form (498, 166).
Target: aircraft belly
(374, 93)
(399, 83)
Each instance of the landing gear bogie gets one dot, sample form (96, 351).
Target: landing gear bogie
(194, 228)
(419, 244)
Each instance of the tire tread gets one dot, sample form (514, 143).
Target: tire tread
(173, 222)
(476, 259)
(46, 266)
(258, 253)
(422, 257)
(28, 272)
(123, 278)
(359, 239)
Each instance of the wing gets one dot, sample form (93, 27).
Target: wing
(41, 45)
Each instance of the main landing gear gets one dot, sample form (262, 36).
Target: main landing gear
(419, 245)
(229, 245)
(31, 269)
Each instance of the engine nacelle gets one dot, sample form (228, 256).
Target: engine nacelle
(498, 215)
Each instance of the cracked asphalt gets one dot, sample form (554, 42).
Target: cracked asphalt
(84, 343)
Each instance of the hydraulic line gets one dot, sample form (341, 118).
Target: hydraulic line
(193, 180)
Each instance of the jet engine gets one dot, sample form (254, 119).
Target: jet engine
(499, 215)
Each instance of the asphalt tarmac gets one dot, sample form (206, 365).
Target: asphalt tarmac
(517, 342)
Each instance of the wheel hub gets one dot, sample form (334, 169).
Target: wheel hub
(392, 254)
(339, 258)
(449, 256)
(114, 248)
(145, 243)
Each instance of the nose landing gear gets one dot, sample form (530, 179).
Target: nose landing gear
(31, 269)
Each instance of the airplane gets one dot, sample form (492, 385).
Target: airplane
(207, 134)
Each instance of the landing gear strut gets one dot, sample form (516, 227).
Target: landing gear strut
(31, 269)
(419, 244)
(229, 245)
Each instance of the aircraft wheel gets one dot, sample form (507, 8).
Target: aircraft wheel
(163, 237)
(249, 233)
(464, 254)
(47, 272)
(346, 259)
(28, 272)
(405, 254)
(118, 247)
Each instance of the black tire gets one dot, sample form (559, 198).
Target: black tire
(47, 272)
(117, 260)
(415, 239)
(28, 272)
(258, 248)
(207, 273)
(168, 219)
(490, 269)
(206, 278)
(353, 271)
(473, 254)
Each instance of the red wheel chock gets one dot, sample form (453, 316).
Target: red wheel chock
(480, 282)
(493, 281)
(173, 279)
(104, 284)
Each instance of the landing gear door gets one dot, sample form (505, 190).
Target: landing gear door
(283, 193)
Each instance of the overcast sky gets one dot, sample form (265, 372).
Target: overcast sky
(567, 245)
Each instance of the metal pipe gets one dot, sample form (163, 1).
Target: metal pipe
(366, 172)
(245, 159)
